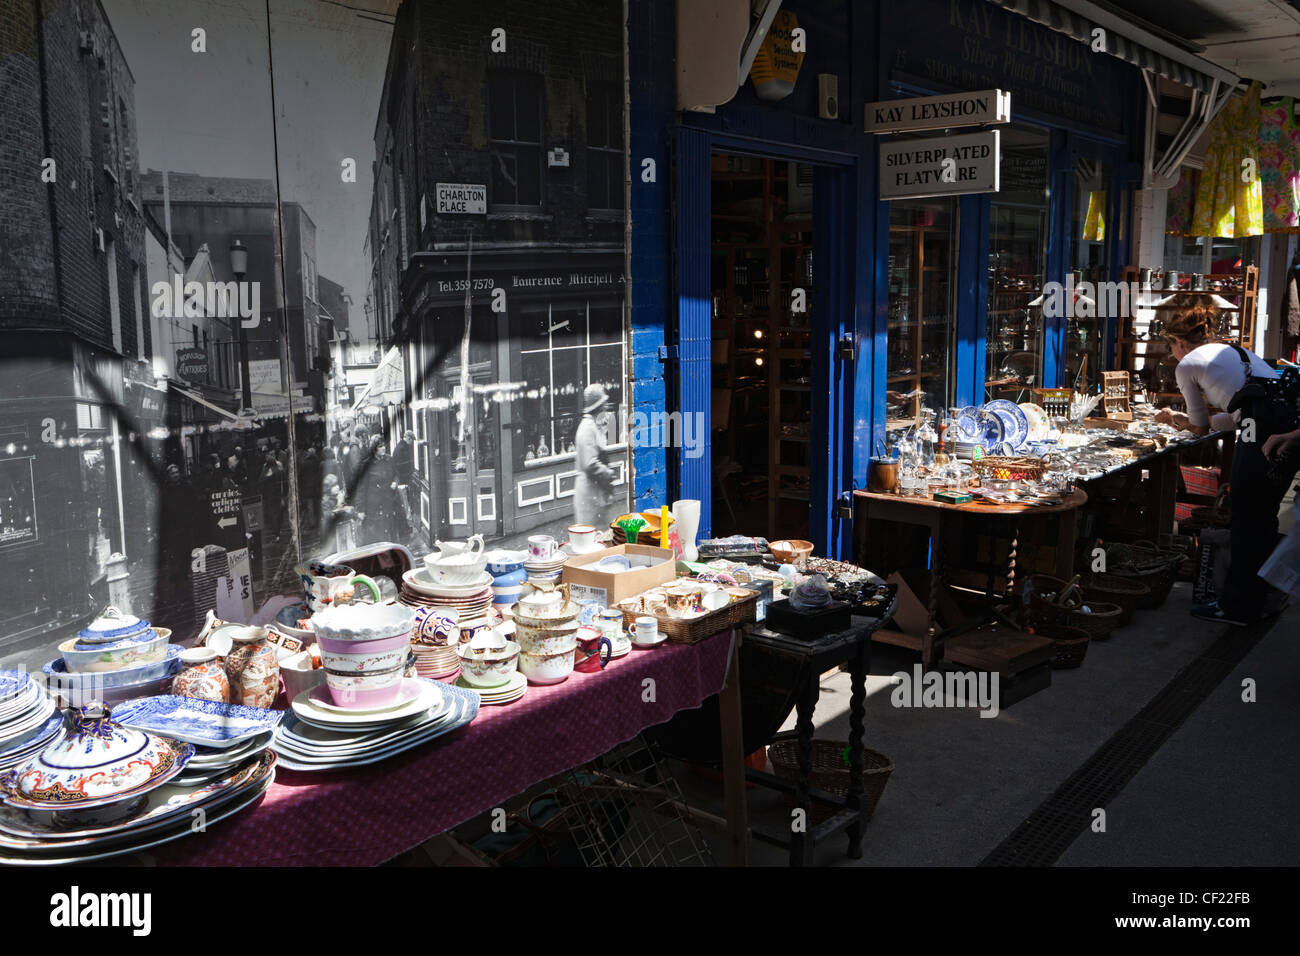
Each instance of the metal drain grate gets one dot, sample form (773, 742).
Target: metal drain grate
(1057, 823)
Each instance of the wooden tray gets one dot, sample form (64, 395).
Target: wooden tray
(695, 629)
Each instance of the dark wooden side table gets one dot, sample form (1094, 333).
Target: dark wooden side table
(851, 647)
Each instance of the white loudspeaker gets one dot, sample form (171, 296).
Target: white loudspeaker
(828, 96)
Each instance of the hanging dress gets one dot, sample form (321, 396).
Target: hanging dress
(1279, 165)
(1228, 205)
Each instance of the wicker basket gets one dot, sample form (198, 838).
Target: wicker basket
(1040, 585)
(1010, 467)
(1142, 561)
(695, 629)
(1117, 589)
(831, 773)
(1099, 620)
(1070, 644)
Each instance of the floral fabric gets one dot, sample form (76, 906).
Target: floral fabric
(1279, 165)
(1226, 204)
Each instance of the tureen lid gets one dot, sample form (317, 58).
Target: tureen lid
(99, 762)
(112, 625)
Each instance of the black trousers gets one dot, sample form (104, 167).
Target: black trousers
(1255, 503)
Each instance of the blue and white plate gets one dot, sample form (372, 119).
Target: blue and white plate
(992, 433)
(208, 723)
(33, 740)
(1014, 422)
(968, 425)
(13, 683)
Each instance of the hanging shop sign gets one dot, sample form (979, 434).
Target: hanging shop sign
(462, 199)
(981, 108)
(192, 363)
(779, 59)
(941, 166)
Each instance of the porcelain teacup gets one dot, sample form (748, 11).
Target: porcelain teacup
(324, 585)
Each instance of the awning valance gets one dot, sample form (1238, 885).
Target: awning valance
(1127, 41)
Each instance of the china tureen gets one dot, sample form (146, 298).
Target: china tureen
(98, 763)
(112, 629)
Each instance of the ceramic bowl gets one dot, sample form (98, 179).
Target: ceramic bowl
(490, 668)
(115, 657)
(363, 657)
(363, 622)
(557, 640)
(374, 689)
(546, 668)
(548, 617)
(505, 562)
(792, 551)
(299, 675)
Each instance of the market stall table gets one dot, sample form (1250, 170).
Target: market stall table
(935, 516)
(365, 816)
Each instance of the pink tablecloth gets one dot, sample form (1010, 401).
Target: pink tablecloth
(367, 815)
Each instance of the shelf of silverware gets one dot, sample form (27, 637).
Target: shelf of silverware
(1015, 327)
(1156, 369)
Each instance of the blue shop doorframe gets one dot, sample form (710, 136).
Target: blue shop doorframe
(834, 243)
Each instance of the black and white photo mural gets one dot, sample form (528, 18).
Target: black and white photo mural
(279, 280)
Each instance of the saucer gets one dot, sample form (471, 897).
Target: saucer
(307, 709)
(320, 697)
(506, 693)
(649, 645)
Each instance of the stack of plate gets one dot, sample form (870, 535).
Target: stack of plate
(225, 736)
(436, 662)
(320, 735)
(28, 722)
(546, 570)
(51, 837)
(506, 693)
(471, 600)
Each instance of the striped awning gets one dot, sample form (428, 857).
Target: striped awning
(1126, 41)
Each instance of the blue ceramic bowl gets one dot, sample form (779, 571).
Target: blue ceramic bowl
(59, 675)
(113, 657)
(505, 562)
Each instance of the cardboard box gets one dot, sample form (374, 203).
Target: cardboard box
(586, 584)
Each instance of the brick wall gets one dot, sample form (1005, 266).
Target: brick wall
(89, 117)
(28, 293)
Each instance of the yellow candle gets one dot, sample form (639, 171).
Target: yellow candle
(663, 527)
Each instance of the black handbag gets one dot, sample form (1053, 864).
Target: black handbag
(1274, 404)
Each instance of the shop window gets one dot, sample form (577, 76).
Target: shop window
(922, 273)
(1017, 264)
(1090, 255)
(562, 351)
(515, 133)
(604, 146)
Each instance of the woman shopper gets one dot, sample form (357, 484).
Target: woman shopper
(1215, 373)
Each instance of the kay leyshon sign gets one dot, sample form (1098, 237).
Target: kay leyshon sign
(940, 166)
(981, 108)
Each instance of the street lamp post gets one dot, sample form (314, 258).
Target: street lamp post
(239, 266)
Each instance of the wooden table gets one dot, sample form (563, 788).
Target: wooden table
(935, 516)
(850, 647)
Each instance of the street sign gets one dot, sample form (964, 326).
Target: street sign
(227, 518)
(981, 108)
(940, 166)
(462, 199)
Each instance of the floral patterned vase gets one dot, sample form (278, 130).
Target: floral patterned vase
(202, 676)
(253, 669)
